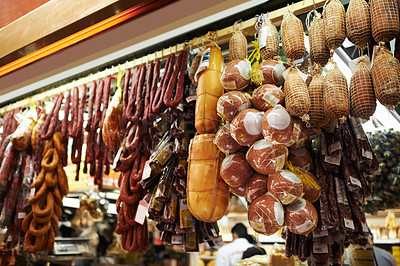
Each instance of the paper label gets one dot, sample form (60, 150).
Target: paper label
(204, 63)
(191, 98)
(146, 170)
(334, 147)
(335, 160)
(355, 181)
(348, 223)
(341, 191)
(320, 248)
(365, 227)
(263, 33)
(229, 85)
(323, 233)
(9, 239)
(367, 154)
(270, 98)
(32, 193)
(305, 227)
(21, 215)
(214, 233)
(279, 213)
(141, 212)
(177, 240)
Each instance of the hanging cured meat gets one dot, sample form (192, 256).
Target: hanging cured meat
(358, 23)
(334, 24)
(209, 90)
(386, 78)
(319, 52)
(208, 198)
(292, 36)
(384, 20)
(362, 95)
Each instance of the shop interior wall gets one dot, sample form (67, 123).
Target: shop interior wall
(137, 31)
(11, 10)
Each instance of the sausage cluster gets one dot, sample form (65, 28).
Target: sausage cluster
(340, 167)
(50, 186)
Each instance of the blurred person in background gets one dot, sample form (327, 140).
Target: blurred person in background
(230, 254)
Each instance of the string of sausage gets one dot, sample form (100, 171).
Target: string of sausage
(94, 126)
(76, 155)
(135, 104)
(153, 90)
(64, 125)
(125, 94)
(101, 151)
(9, 126)
(147, 105)
(132, 161)
(41, 224)
(74, 112)
(158, 102)
(50, 124)
(176, 84)
(89, 142)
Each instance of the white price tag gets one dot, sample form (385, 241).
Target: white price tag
(147, 170)
(365, 227)
(320, 248)
(348, 223)
(334, 147)
(323, 233)
(9, 238)
(335, 160)
(367, 154)
(176, 240)
(32, 193)
(21, 215)
(355, 181)
(141, 212)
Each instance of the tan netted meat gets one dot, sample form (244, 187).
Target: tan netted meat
(335, 25)
(319, 52)
(268, 38)
(292, 36)
(358, 23)
(316, 91)
(384, 20)
(362, 95)
(336, 94)
(296, 94)
(386, 78)
(237, 45)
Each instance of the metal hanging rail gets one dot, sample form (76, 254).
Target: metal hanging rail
(219, 37)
